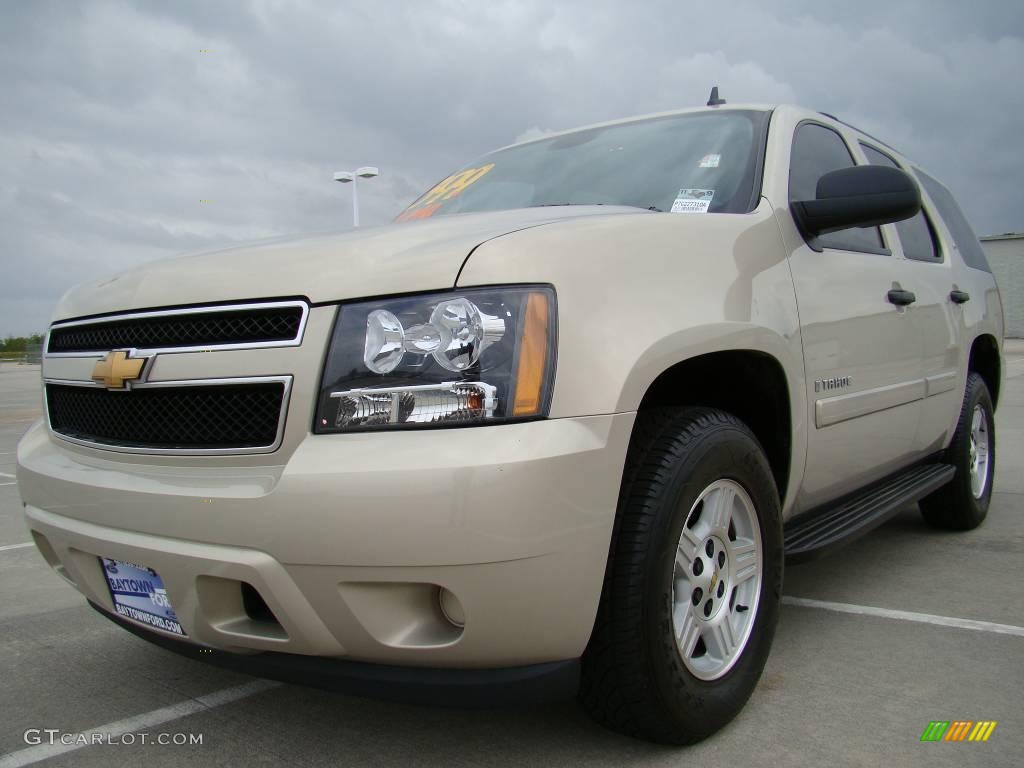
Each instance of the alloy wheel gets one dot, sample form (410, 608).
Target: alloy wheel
(716, 581)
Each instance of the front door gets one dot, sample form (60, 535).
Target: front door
(863, 352)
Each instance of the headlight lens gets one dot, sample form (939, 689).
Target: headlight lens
(459, 358)
(385, 342)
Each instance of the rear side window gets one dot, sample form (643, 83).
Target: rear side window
(817, 150)
(916, 233)
(964, 237)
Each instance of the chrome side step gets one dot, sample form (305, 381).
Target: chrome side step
(813, 534)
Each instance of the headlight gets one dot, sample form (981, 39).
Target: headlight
(459, 358)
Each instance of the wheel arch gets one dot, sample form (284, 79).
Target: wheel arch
(986, 362)
(752, 385)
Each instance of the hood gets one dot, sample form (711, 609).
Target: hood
(397, 258)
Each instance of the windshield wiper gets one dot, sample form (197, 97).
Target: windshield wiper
(555, 205)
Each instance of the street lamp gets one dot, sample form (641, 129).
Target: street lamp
(366, 172)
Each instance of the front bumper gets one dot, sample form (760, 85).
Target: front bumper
(349, 543)
(472, 688)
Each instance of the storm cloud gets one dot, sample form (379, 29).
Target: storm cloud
(117, 120)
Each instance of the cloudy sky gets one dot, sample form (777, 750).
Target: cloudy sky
(117, 119)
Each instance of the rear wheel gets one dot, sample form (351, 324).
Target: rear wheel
(691, 596)
(963, 504)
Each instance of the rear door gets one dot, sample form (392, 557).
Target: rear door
(863, 352)
(937, 317)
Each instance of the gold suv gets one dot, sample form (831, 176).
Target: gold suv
(556, 428)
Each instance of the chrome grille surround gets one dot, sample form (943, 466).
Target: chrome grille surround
(150, 353)
(183, 314)
(284, 381)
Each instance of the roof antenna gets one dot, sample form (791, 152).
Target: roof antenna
(713, 100)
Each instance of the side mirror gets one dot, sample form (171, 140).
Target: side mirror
(861, 196)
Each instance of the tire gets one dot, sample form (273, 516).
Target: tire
(635, 678)
(962, 505)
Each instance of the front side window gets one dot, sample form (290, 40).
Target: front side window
(915, 233)
(818, 150)
(709, 160)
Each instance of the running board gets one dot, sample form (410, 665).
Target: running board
(810, 536)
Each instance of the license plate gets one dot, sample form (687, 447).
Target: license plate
(139, 594)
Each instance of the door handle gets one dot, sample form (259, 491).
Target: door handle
(959, 297)
(901, 298)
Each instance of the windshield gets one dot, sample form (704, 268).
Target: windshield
(704, 162)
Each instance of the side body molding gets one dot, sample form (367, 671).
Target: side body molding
(833, 410)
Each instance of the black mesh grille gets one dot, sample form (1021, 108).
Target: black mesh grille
(223, 416)
(201, 329)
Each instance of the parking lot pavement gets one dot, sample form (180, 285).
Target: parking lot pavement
(839, 688)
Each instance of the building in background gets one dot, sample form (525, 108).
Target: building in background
(1006, 256)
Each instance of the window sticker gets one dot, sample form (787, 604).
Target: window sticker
(710, 161)
(451, 187)
(411, 214)
(693, 201)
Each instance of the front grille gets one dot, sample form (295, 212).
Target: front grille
(241, 325)
(223, 416)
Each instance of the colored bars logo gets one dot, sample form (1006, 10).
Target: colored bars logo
(958, 730)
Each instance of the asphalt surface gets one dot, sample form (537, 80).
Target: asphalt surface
(839, 689)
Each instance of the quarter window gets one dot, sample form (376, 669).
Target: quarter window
(818, 150)
(966, 241)
(915, 233)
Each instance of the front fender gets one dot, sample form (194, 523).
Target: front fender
(639, 293)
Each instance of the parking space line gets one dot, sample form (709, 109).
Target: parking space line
(921, 618)
(6, 474)
(6, 547)
(8, 483)
(138, 723)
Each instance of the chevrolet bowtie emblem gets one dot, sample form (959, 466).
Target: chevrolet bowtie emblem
(116, 369)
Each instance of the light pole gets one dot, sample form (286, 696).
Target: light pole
(366, 172)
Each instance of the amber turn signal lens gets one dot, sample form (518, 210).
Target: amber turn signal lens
(533, 355)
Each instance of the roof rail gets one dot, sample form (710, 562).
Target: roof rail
(859, 130)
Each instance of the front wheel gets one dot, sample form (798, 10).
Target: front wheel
(691, 597)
